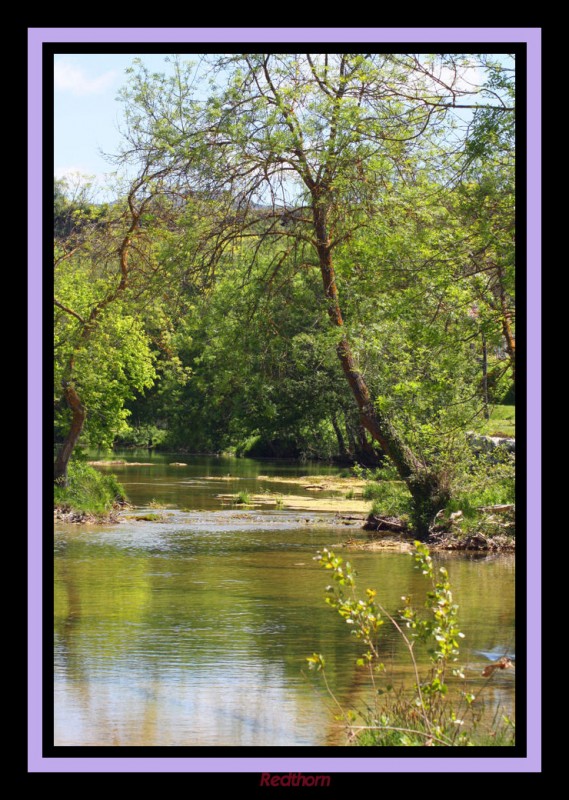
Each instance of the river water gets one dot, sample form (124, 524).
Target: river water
(195, 630)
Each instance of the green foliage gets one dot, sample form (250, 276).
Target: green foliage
(411, 322)
(387, 472)
(74, 214)
(429, 714)
(248, 446)
(143, 435)
(441, 629)
(502, 422)
(243, 498)
(88, 490)
(108, 368)
(489, 480)
(222, 339)
(391, 498)
(264, 389)
(100, 343)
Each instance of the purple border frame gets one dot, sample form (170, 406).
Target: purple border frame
(36, 763)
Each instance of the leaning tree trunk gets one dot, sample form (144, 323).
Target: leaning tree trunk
(78, 414)
(428, 489)
(88, 326)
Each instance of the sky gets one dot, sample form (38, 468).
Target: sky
(86, 112)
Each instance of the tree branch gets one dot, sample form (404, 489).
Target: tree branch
(69, 311)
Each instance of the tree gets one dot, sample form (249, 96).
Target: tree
(105, 265)
(303, 150)
(488, 202)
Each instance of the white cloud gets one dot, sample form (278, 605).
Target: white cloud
(70, 78)
(79, 179)
(74, 173)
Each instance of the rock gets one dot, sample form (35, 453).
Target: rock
(486, 444)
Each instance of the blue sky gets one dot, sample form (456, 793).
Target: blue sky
(87, 114)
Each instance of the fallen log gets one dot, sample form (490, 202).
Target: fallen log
(499, 509)
(380, 523)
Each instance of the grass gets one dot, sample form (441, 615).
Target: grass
(495, 495)
(88, 491)
(388, 472)
(391, 498)
(489, 482)
(157, 504)
(502, 422)
(399, 726)
(243, 498)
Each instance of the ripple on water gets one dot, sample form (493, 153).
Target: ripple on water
(195, 630)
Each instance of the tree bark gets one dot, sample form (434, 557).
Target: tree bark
(342, 449)
(89, 324)
(78, 415)
(507, 317)
(485, 377)
(510, 339)
(353, 447)
(427, 488)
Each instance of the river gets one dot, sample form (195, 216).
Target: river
(195, 630)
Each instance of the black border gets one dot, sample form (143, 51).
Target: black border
(49, 750)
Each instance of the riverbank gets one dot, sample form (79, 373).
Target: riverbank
(374, 541)
(499, 543)
(343, 501)
(224, 607)
(87, 496)
(76, 516)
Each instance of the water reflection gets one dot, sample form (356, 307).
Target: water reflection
(195, 631)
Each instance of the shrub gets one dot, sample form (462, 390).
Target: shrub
(489, 481)
(425, 715)
(88, 490)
